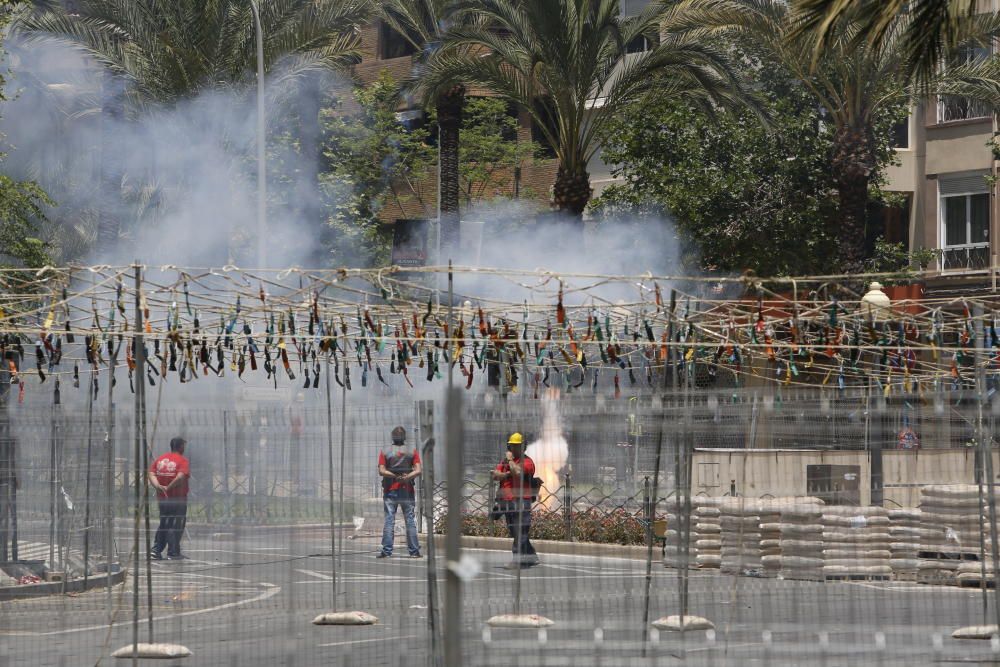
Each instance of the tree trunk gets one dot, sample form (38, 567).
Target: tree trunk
(109, 221)
(853, 165)
(449, 112)
(572, 191)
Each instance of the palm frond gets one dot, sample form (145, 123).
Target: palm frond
(170, 49)
(934, 28)
(566, 63)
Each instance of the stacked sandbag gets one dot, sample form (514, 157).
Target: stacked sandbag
(950, 518)
(801, 542)
(671, 556)
(707, 535)
(904, 543)
(970, 573)
(950, 531)
(855, 542)
(739, 521)
(770, 537)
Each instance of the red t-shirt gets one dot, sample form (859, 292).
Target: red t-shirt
(166, 468)
(511, 487)
(396, 484)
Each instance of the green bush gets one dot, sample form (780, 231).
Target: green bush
(617, 526)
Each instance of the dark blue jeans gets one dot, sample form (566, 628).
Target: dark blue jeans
(391, 501)
(173, 516)
(518, 515)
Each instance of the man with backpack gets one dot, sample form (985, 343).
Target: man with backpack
(518, 489)
(398, 466)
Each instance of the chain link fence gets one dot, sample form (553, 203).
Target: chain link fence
(714, 490)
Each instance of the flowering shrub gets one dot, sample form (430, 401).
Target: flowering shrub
(617, 526)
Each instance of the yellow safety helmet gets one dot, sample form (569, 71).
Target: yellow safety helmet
(515, 439)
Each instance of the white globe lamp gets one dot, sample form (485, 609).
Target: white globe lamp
(876, 303)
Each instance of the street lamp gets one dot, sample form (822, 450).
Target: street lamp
(261, 148)
(876, 303)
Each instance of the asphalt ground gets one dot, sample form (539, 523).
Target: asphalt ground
(248, 600)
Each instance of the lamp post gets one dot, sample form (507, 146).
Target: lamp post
(877, 305)
(261, 147)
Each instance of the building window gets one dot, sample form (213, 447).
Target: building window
(965, 223)
(954, 107)
(391, 44)
(413, 120)
(890, 223)
(900, 136)
(642, 43)
(546, 109)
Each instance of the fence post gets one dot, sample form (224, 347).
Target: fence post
(491, 496)
(568, 507)
(647, 509)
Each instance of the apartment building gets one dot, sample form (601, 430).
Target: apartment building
(947, 171)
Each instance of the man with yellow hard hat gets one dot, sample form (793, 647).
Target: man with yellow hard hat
(518, 488)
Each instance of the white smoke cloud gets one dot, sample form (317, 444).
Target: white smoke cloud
(189, 168)
(550, 451)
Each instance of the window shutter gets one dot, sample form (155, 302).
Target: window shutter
(966, 183)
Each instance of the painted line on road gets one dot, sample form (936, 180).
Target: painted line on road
(256, 552)
(590, 571)
(314, 573)
(269, 593)
(350, 580)
(720, 646)
(365, 641)
(204, 576)
(909, 589)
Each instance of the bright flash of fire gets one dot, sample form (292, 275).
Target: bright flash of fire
(550, 452)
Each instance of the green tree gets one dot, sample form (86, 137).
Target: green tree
(372, 158)
(567, 63)
(21, 217)
(161, 52)
(422, 23)
(861, 88)
(933, 28)
(168, 50)
(22, 213)
(741, 197)
(488, 149)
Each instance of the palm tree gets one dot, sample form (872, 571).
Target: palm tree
(161, 52)
(933, 27)
(422, 23)
(566, 63)
(168, 50)
(854, 83)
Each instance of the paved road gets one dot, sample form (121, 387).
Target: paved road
(248, 602)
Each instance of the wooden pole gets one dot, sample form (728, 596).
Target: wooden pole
(651, 518)
(329, 447)
(86, 508)
(987, 454)
(138, 474)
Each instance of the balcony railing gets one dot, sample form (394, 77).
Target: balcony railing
(953, 107)
(972, 257)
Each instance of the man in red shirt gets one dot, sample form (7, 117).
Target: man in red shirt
(398, 467)
(169, 475)
(517, 493)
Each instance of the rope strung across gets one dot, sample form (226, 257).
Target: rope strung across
(517, 329)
